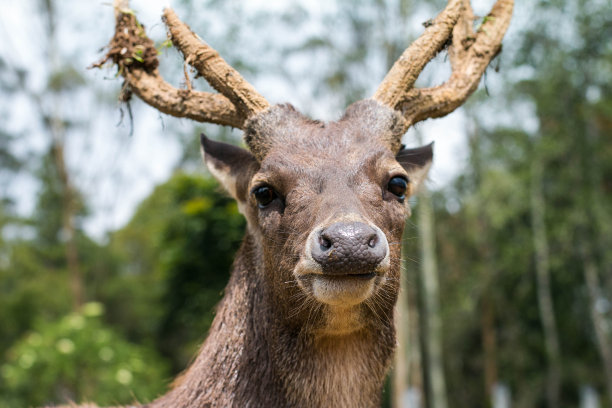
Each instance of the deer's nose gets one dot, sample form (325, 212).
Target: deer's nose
(349, 248)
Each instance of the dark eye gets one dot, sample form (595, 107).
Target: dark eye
(398, 186)
(264, 196)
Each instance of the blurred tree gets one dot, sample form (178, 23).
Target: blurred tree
(546, 184)
(542, 269)
(45, 246)
(569, 97)
(43, 254)
(431, 326)
(175, 257)
(34, 280)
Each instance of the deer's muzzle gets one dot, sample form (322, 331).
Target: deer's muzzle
(349, 248)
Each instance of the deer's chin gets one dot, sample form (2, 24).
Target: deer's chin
(336, 290)
(344, 290)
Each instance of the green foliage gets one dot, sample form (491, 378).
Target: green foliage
(25, 293)
(175, 257)
(35, 261)
(65, 79)
(199, 243)
(78, 358)
(133, 275)
(159, 278)
(486, 247)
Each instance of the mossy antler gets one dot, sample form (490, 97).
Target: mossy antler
(136, 58)
(470, 53)
(219, 74)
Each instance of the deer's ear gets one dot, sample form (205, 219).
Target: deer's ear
(416, 162)
(232, 166)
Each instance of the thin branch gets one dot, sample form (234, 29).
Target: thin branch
(219, 74)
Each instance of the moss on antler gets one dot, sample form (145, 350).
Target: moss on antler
(130, 47)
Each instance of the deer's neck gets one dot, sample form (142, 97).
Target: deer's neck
(251, 359)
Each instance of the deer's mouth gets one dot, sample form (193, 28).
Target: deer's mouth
(342, 263)
(350, 276)
(340, 290)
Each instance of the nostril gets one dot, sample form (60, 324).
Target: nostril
(348, 248)
(373, 241)
(324, 242)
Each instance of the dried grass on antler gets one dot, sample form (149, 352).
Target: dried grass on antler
(136, 58)
(470, 53)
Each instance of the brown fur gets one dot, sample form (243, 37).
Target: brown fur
(272, 343)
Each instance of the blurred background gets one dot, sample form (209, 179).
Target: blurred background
(115, 244)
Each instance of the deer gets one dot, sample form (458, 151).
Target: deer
(307, 319)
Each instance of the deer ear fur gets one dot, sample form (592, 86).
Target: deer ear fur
(416, 162)
(232, 166)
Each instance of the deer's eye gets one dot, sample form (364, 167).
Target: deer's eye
(264, 196)
(398, 186)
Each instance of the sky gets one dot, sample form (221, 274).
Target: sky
(117, 166)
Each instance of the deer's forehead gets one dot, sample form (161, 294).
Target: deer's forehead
(315, 168)
(324, 149)
(284, 129)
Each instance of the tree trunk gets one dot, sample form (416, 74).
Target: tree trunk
(545, 302)
(436, 385)
(603, 341)
(407, 375)
(68, 229)
(487, 275)
(489, 344)
(400, 372)
(596, 236)
(58, 138)
(598, 216)
(415, 368)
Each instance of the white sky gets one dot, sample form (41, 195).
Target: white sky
(115, 170)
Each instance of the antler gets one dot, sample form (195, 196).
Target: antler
(219, 74)
(136, 58)
(470, 53)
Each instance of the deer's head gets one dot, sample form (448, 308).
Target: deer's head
(325, 202)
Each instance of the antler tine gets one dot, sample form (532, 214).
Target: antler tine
(199, 106)
(136, 58)
(463, 33)
(219, 74)
(119, 5)
(470, 53)
(470, 56)
(411, 63)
